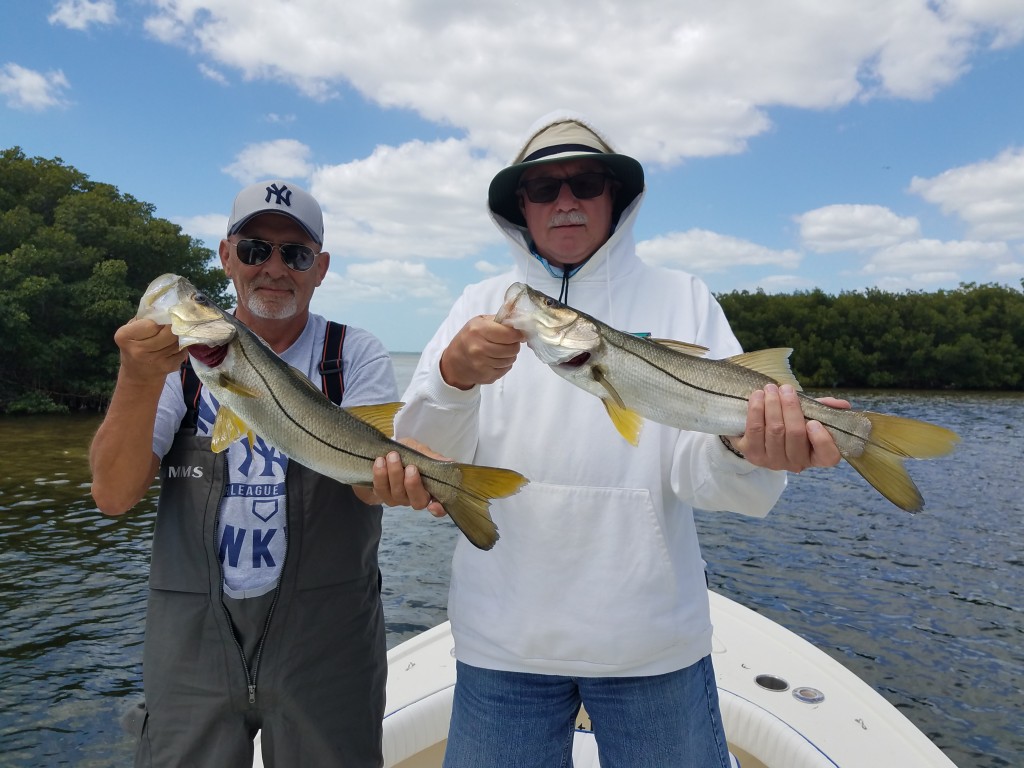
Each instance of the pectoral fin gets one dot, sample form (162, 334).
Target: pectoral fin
(227, 428)
(380, 416)
(627, 421)
(234, 387)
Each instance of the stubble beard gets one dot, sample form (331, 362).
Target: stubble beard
(272, 309)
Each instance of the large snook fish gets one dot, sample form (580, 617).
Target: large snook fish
(258, 391)
(671, 383)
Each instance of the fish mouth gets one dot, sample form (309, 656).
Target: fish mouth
(195, 324)
(162, 294)
(508, 308)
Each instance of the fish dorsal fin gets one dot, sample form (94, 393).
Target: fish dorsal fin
(227, 428)
(773, 363)
(694, 350)
(628, 422)
(235, 387)
(380, 417)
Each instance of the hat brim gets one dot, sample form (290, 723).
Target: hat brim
(503, 199)
(275, 212)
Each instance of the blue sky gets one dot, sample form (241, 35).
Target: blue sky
(841, 145)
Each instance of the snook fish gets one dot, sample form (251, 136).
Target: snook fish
(258, 391)
(671, 383)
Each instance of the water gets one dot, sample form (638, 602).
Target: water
(926, 608)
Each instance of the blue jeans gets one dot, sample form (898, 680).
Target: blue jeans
(521, 720)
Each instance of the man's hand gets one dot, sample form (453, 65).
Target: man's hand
(481, 353)
(148, 351)
(395, 485)
(777, 435)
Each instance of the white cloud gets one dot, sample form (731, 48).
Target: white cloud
(30, 90)
(1011, 270)
(781, 284)
(925, 260)
(211, 73)
(418, 200)
(283, 158)
(647, 70)
(1002, 20)
(857, 228)
(489, 268)
(209, 228)
(988, 196)
(701, 251)
(80, 14)
(382, 281)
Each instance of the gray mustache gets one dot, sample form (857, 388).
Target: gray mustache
(568, 218)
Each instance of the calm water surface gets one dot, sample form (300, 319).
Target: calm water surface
(926, 608)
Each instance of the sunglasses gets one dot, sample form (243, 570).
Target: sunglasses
(295, 256)
(583, 186)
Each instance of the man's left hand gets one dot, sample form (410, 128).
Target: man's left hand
(777, 435)
(398, 485)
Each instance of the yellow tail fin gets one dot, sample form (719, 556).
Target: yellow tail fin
(469, 510)
(892, 440)
(911, 438)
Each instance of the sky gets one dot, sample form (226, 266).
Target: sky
(788, 145)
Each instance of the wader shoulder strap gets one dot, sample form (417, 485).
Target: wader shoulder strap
(331, 375)
(190, 386)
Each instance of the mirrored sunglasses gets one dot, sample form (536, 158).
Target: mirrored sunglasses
(295, 255)
(583, 186)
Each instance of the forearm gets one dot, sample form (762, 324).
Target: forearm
(441, 416)
(121, 455)
(709, 477)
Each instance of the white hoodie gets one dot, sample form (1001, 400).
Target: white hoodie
(598, 571)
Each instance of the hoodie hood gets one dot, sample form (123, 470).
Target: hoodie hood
(618, 254)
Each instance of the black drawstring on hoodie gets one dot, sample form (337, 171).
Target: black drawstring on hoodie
(567, 271)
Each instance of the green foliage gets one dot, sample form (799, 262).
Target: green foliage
(75, 258)
(968, 338)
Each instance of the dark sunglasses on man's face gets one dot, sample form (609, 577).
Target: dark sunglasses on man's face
(295, 255)
(583, 186)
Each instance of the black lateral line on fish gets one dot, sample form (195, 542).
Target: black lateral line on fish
(340, 449)
(768, 379)
(676, 378)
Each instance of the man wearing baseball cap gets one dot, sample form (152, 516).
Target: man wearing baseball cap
(264, 608)
(596, 594)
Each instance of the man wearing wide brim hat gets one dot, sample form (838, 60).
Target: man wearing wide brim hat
(566, 139)
(595, 593)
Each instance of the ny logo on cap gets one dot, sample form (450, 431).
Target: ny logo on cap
(283, 195)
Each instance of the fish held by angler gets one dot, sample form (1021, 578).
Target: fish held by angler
(670, 382)
(259, 392)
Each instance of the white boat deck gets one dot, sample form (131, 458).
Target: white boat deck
(785, 703)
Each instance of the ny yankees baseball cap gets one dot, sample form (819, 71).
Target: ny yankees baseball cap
(278, 196)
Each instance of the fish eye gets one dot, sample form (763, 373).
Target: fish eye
(200, 298)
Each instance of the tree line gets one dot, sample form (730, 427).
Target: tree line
(971, 337)
(76, 256)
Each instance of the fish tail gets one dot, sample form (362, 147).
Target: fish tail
(469, 508)
(910, 438)
(892, 440)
